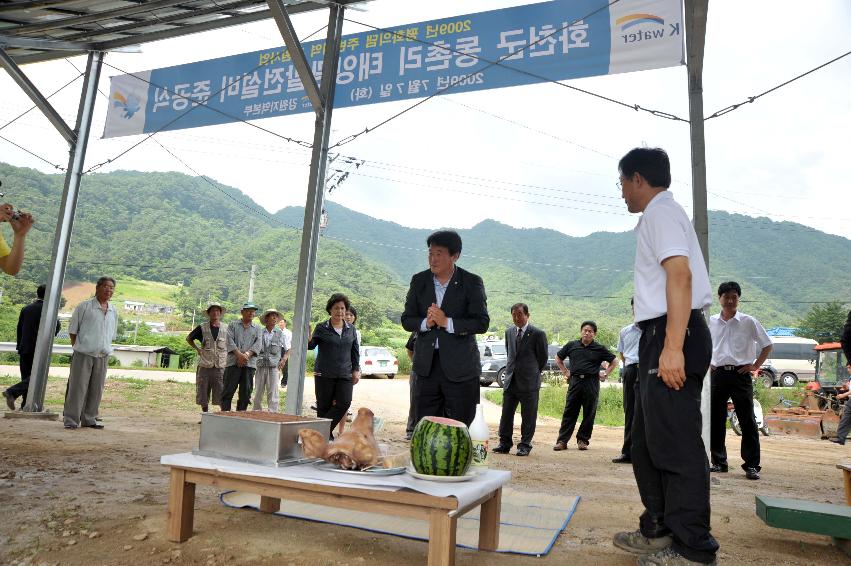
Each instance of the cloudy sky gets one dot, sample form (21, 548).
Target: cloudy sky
(527, 156)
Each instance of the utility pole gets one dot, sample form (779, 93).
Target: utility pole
(251, 282)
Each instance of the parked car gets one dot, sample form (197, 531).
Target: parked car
(494, 358)
(377, 360)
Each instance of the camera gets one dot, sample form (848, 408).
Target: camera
(16, 214)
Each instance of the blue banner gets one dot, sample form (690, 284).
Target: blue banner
(558, 40)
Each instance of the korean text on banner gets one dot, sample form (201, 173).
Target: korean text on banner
(558, 40)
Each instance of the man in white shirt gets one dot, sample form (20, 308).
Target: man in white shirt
(735, 338)
(92, 329)
(668, 454)
(628, 353)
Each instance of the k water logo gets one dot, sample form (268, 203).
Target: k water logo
(128, 104)
(647, 27)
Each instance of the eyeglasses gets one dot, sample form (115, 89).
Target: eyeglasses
(619, 185)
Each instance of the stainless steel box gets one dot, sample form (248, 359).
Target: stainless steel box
(255, 436)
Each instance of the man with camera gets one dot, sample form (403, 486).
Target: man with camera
(21, 222)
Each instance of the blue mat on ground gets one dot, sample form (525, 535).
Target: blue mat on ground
(529, 522)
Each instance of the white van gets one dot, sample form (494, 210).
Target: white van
(791, 359)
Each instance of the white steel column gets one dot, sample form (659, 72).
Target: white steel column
(315, 186)
(62, 237)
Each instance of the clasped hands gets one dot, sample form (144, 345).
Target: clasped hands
(241, 358)
(436, 317)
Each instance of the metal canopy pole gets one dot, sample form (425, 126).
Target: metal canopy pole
(62, 237)
(315, 185)
(695, 17)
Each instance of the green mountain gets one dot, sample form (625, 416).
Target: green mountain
(173, 228)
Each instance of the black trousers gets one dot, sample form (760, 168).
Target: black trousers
(412, 404)
(528, 401)
(630, 386)
(582, 393)
(20, 389)
(285, 373)
(437, 396)
(729, 384)
(333, 398)
(242, 377)
(668, 454)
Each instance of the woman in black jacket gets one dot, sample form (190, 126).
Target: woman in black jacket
(337, 366)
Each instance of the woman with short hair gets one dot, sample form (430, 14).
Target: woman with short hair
(337, 367)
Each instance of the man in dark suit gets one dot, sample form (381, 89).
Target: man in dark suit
(447, 307)
(527, 356)
(28, 323)
(845, 340)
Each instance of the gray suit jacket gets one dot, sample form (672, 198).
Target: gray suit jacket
(526, 361)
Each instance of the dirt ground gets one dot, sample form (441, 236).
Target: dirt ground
(93, 497)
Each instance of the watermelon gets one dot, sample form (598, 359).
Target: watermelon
(441, 447)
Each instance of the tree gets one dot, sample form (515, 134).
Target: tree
(823, 323)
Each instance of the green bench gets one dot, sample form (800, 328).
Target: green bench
(808, 517)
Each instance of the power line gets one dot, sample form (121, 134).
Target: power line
(751, 99)
(37, 156)
(31, 108)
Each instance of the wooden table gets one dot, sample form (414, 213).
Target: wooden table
(441, 512)
(846, 476)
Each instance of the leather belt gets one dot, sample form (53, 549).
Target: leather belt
(582, 375)
(730, 367)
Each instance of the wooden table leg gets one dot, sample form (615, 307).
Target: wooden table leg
(489, 522)
(269, 504)
(181, 507)
(846, 474)
(441, 538)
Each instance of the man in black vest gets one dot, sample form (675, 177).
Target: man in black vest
(527, 355)
(28, 323)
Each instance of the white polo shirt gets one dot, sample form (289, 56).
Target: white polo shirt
(665, 231)
(736, 342)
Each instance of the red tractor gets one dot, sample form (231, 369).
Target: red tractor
(818, 414)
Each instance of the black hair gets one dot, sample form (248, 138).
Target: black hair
(448, 239)
(728, 286)
(652, 163)
(103, 280)
(354, 312)
(590, 323)
(39, 292)
(523, 306)
(336, 298)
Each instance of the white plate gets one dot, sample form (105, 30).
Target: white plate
(445, 479)
(329, 467)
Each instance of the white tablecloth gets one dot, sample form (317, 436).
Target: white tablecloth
(465, 492)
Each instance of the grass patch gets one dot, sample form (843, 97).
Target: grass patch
(610, 403)
(126, 394)
(144, 291)
(551, 403)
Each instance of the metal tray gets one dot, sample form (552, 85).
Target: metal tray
(330, 467)
(247, 437)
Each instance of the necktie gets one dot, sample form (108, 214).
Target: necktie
(519, 336)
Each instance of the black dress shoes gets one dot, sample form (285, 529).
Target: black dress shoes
(718, 468)
(839, 441)
(752, 473)
(501, 449)
(523, 451)
(622, 459)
